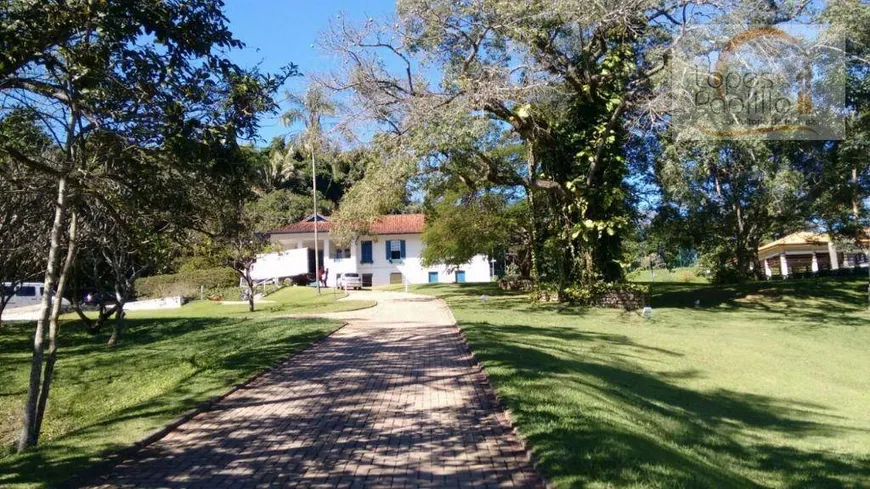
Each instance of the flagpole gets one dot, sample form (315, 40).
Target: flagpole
(316, 252)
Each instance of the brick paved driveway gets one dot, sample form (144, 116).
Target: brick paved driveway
(391, 400)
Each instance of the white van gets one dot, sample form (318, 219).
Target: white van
(28, 294)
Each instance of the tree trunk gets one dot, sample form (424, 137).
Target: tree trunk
(94, 326)
(533, 221)
(53, 329)
(29, 435)
(250, 283)
(118, 326)
(4, 299)
(121, 299)
(856, 215)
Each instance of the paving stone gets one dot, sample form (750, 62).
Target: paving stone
(390, 400)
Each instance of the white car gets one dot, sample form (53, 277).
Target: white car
(350, 280)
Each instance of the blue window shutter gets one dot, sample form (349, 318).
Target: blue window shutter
(367, 252)
(387, 247)
(403, 249)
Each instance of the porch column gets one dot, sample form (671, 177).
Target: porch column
(331, 277)
(815, 263)
(832, 251)
(783, 265)
(767, 271)
(354, 260)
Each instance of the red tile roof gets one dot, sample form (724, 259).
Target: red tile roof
(390, 224)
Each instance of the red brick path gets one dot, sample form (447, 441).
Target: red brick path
(391, 400)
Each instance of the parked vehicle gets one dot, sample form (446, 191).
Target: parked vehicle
(94, 297)
(27, 294)
(350, 280)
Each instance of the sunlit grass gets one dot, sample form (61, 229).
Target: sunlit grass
(287, 301)
(106, 398)
(762, 385)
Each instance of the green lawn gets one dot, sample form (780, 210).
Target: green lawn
(104, 398)
(765, 385)
(287, 301)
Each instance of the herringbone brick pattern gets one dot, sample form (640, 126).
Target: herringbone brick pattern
(391, 400)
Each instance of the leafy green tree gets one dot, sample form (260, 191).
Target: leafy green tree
(282, 207)
(563, 80)
(155, 75)
(459, 227)
(238, 245)
(310, 109)
(24, 207)
(729, 197)
(839, 171)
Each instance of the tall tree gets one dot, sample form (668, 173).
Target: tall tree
(459, 227)
(566, 80)
(24, 207)
(730, 196)
(154, 74)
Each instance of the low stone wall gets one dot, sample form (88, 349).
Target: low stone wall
(154, 304)
(521, 285)
(629, 300)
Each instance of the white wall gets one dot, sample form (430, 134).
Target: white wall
(155, 304)
(286, 263)
(477, 270)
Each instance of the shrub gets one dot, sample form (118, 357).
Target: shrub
(196, 263)
(608, 294)
(187, 283)
(687, 276)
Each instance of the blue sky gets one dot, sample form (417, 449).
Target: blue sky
(278, 32)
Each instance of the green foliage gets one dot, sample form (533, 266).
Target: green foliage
(199, 262)
(283, 206)
(724, 198)
(187, 283)
(383, 189)
(459, 227)
(587, 294)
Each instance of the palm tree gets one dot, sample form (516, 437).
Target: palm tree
(280, 168)
(309, 109)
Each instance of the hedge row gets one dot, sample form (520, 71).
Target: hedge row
(186, 283)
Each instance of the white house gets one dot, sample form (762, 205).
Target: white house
(391, 255)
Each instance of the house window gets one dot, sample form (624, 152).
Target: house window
(342, 253)
(395, 250)
(366, 252)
